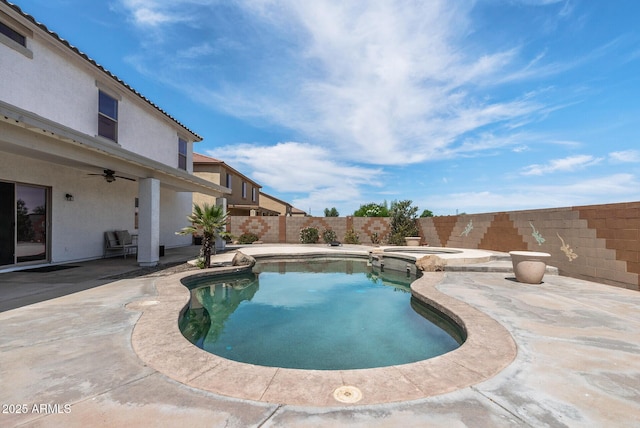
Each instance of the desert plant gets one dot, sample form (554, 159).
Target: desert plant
(309, 235)
(351, 237)
(375, 238)
(210, 221)
(329, 236)
(403, 221)
(248, 238)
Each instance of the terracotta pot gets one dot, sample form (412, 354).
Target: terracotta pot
(412, 241)
(529, 266)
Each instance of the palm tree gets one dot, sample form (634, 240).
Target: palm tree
(211, 221)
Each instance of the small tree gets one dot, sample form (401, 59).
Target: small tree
(426, 213)
(333, 212)
(372, 210)
(211, 221)
(403, 221)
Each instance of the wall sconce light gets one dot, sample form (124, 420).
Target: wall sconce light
(69, 197)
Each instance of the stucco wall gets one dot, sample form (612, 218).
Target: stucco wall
(59, 85)
(77, 226)
(598, 242)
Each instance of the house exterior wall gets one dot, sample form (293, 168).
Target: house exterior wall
(217, 173)
(273, 204)
(89, 215)
(236, 188)
(50, 83)
(59, 85)
(210, 173)
(597, 242)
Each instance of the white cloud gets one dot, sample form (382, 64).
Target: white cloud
(570, 163)
(293, 167)
(148, 12)
(520, 196)
(379, 82)
(631, 156)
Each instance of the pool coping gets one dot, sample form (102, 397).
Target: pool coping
(158, 342)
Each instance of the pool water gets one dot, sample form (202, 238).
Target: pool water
(324, 315)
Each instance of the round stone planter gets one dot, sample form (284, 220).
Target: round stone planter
(412, 241)
(529, 266)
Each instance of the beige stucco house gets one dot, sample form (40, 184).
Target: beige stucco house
(244, 196)
(283, 208)
(82, 153)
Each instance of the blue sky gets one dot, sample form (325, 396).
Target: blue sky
(460, 106)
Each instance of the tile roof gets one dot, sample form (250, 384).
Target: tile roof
(94, 63)
(198, 158)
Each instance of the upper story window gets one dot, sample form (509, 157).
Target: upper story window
(228, 181)
(244, 189)
(13, 34)
(254, 194)
(182, 154)
(107, 116)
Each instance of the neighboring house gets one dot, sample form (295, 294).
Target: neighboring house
(297, 212)
(244, 199)
(271, 203)
(81, 153)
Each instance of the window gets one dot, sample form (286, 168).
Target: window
(107, 117)
(253, 194)
(182, 154)
(229, 180)
(244, 190)
(13, 34)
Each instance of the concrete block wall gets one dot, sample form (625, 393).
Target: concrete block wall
(598, 242)
(287, 229)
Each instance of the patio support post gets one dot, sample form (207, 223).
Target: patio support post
(148, 222)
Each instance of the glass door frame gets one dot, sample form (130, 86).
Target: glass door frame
(47, 224)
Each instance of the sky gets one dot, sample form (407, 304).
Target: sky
(460, 106)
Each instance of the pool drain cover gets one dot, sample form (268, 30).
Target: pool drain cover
(347, 394)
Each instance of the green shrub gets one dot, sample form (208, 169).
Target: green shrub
(372, 210)
(248, 238)
(403, 221)
(351, 237)
(309, 235)
(375, 238)
(329, 236)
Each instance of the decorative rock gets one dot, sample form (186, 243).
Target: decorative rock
(431, 263)
(241, 259)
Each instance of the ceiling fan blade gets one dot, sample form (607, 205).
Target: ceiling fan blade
(125, 178)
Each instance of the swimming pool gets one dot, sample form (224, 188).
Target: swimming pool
(318, 314)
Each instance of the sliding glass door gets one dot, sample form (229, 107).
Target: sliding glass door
(24, 213)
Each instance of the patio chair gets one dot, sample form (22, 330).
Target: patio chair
(120, 241)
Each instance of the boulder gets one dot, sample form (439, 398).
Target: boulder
(431, 263)
(241, 259)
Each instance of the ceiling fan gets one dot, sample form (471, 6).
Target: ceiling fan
(110, 177)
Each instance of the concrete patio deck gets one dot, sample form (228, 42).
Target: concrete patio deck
(69, 360)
